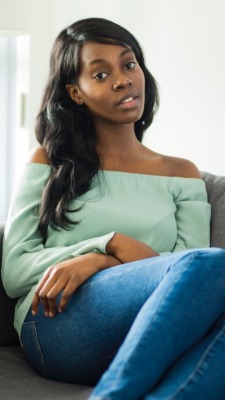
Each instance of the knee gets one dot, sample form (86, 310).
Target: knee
(210, 260)
(214, 254)
(211, 252)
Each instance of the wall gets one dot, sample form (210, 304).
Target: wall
(183, 42)
(187, 54)
(184, 45)
(35, 18)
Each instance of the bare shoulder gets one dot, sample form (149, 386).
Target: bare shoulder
(164, 165)
(182, 168)
(38, 156)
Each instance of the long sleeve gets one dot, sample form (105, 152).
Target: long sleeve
(193, 217)
(25, 257)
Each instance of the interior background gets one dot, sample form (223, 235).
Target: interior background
(184, 46)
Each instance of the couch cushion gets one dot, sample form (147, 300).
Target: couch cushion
(215, 186)
(19, 382)
(8, 335)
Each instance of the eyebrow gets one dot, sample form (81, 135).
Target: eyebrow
(101, 60)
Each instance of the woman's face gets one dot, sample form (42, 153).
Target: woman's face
(111, 84)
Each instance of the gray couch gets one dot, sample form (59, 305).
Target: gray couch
(17, 380)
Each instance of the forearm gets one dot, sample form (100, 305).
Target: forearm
(66, 277)
(127, 249)
(104, 261)
(25, 259)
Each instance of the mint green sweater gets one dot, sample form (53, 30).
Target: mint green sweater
(167, 213)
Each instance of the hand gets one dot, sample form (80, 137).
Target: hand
(127, 249)
(66, 277)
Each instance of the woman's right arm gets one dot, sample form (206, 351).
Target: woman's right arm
(25, 257)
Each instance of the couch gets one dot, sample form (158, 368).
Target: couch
(17, 380)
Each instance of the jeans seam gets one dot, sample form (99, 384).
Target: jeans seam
(37, 343)
(182, 389)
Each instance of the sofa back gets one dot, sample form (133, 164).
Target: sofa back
(215, 186)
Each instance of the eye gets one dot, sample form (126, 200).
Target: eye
(130, 65)
(101, 76)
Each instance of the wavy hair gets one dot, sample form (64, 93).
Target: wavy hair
(65, 130)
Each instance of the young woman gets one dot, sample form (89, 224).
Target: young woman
(100, 243)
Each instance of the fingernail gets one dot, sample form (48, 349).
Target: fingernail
(33, 312)
(51, 314)
(46, 313)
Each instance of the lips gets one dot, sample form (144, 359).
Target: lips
(127, 99)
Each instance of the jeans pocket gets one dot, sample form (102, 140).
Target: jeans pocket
(32, 348)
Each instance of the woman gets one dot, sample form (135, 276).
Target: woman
(100, 243)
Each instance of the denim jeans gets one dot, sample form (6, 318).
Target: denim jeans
(152, 329)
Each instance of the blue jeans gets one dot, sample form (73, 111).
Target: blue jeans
(166, 315)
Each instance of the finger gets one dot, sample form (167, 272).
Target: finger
(35, 304)
(36, 298)
(45, 285)
(48, 296)
(47, 300)
(66, 294)
(43, 281)
(44, 301)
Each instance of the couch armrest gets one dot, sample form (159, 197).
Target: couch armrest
(8, 335)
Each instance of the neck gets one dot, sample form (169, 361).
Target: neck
(119, 142)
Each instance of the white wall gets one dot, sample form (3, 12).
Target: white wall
(184, 45)
(187, 54)
(33, 17)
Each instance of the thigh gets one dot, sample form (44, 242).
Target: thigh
(79, 344)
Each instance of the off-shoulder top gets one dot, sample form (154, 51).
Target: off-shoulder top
(167, 213)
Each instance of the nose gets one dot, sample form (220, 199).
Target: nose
(122, 82)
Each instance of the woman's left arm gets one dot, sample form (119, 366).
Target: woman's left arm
(193, 211)
(193, 217)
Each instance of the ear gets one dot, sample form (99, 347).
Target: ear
(74, 93)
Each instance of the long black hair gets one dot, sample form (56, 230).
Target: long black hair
(65, 130)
